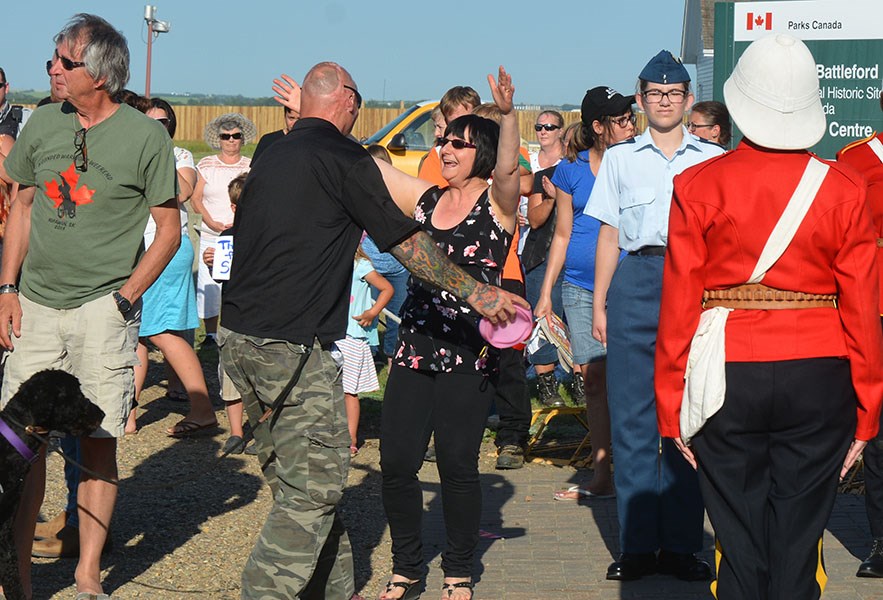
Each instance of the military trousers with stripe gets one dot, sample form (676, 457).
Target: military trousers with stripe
(769, 463)
(303, 550)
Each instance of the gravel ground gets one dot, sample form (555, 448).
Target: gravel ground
(191, 539)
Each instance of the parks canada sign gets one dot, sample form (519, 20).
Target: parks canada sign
(846, 39)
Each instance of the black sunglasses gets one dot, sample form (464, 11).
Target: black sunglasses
(163, 120)
(48, 66)
(357, 94)
(546, 126)
(457, 144)
(68, 64)
(81, 158)
(3, 83)
(228, 136)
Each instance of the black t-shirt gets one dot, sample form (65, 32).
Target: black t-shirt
(265, 142)
(297, 226)
(536, 246)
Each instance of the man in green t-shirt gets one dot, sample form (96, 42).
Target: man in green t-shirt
(90, 170)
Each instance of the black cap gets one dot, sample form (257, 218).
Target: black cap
(603, 101)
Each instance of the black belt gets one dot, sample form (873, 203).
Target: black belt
(649, 251)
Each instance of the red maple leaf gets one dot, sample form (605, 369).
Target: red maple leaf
(56, 190)
(758, 20)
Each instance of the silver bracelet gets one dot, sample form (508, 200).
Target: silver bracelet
(8, 288)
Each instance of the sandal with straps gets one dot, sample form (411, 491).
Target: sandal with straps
(413, 589)
(450, 588)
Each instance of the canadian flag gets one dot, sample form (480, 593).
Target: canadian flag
(760, 21)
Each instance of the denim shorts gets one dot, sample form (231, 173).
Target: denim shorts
(578, 311)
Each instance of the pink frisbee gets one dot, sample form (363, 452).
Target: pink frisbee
(508, 334)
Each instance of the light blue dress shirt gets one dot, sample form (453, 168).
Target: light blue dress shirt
(634, 186)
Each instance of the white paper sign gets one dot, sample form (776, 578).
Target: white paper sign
(223, 258)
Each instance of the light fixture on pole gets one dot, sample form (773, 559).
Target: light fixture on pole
(157, 27)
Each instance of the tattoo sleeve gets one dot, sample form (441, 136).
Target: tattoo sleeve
(421, 256)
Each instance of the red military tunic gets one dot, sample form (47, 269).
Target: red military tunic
(860, 156)
(722, 214)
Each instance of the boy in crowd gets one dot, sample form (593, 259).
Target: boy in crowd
(659, 505)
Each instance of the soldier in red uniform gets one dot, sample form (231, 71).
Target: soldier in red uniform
(867, 157)
(803, 342)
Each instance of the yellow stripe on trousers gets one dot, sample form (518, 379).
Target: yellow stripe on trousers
(821, 574)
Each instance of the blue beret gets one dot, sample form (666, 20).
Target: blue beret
(664, 68)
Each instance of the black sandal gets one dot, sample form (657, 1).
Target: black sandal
(450, 588)
(413, 589)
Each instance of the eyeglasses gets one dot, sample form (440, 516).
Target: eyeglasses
(546, 126)
(229, 136)
(3, 83)
(48, 66)
(623, 121)
(656, 96)
(81, 158)
(68, 64)
(457, 144)
(694, 126)
(357, 94)
(165, 121)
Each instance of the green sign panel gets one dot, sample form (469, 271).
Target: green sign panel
(846, 40)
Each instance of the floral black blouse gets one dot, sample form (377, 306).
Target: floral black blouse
(439, 332)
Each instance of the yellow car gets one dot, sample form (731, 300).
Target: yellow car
(408, 137)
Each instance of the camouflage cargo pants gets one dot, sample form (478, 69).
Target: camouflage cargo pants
(303, 550)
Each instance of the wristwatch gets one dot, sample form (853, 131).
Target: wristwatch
(123, 304)
(8, 288)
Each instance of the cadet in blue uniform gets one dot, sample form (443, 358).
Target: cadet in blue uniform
(658, 501)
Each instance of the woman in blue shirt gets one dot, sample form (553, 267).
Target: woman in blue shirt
(607, 119)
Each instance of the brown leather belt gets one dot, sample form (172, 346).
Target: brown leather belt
(757, 296)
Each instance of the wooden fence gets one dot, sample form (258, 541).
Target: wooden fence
(192, 119)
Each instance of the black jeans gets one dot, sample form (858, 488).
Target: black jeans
(454, 406)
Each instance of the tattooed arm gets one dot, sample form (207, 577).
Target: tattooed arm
(423, 259)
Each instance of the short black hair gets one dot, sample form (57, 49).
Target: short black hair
(485, 134)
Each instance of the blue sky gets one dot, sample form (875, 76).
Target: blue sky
(393, 48)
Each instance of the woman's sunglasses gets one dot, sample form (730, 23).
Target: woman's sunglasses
(546, 126)
(457, 144)
(229, 136)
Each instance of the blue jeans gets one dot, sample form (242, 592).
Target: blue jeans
(657, 496)
(399, 283)
(533, 283)
(578, 303)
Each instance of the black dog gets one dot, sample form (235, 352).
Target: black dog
(49, 401)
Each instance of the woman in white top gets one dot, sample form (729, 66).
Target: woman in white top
(227, 134)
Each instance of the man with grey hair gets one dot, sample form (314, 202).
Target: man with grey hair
(89, 170)
(297, 226)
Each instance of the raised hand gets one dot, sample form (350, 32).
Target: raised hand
(287, 92)
(502, 90)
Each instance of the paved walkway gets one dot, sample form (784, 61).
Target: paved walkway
(561, 549)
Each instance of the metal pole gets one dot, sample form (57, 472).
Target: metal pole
(149, 49)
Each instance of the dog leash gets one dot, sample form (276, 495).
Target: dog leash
(273, 411)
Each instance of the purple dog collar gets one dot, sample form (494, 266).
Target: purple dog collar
(17, 442)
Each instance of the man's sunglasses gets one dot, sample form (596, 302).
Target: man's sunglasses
(546, 126)
(81, 158)
(457, 144)
(230, 136)
(357, 94)
(68, 64)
